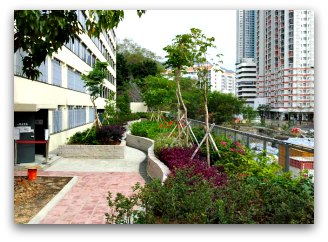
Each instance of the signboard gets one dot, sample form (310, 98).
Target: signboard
(24, 129)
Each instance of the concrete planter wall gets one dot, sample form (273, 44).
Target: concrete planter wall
(93, 151)
(155, 168)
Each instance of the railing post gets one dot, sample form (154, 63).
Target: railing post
(286, 157)
(235, 136)
(47, 152)
(264, 145)
(247, 140)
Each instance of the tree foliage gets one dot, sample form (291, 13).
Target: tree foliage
(94, 82)
(248, 112)
(135, 63)
(179, 56)
(222, 106)
(134, 52)
(192, 96)
(122, 72)
(43, 32)
(159, 94)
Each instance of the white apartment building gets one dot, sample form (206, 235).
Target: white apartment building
(245, 66)
(57, 103)
(219, 81)
(246, 81)
(285, 62)
(223, 81)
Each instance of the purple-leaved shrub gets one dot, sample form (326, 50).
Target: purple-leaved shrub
(179, 158)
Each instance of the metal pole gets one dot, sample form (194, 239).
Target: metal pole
(15, 153)
(247, 140)
(47, 151)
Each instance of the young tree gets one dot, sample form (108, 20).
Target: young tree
(248, 112)
(263, 110)
(201, 45)
(43, 32)
(179, 55)
(94, 82)
(159, 94)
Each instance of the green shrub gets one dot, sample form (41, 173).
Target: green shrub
(238, 159)
(162, 142)
(87, 137)
(276, 200)
(174, 202)
(199, 133)
(150, 129)
(110, 133)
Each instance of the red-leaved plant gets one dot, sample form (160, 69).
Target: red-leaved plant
(179, 158)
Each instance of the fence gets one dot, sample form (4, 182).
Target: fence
(284, 150)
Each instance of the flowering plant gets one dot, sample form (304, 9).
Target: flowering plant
(295, 130)
(235, 158)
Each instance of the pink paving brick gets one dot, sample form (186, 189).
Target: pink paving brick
(86, 202)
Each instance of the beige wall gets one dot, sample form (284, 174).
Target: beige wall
(62, 137)
(138, 107)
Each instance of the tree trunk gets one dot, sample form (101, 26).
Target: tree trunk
(178, 115)
(181, 102)
(206, 123)
(98, 123)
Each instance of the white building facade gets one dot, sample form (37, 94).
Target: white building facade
(58, 101)
(285, 62)
(223, 81)
(246, 81)
(245, 87)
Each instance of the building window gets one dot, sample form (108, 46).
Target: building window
(57, 121)
(74, 80)
(88, 57)
(92, 114)
(76, 116)
(43, 68)
(18, 62)
(56, 72)
(82, 18)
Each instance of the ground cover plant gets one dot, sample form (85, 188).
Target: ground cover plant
(240, 187)
(107, 134)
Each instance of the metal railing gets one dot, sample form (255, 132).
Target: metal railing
(258, 141)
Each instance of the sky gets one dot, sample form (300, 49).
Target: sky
(156, 29)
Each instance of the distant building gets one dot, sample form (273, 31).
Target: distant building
(223, 81)
(245, 56)
(245, 34)
(246, 81)
(285, 62)
(219, 81)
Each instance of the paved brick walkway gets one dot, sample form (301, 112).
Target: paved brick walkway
(86, 201)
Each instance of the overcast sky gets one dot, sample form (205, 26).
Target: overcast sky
(156, 29)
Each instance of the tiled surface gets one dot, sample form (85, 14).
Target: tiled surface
(86, 201)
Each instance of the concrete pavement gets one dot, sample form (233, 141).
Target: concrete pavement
(84, 199)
